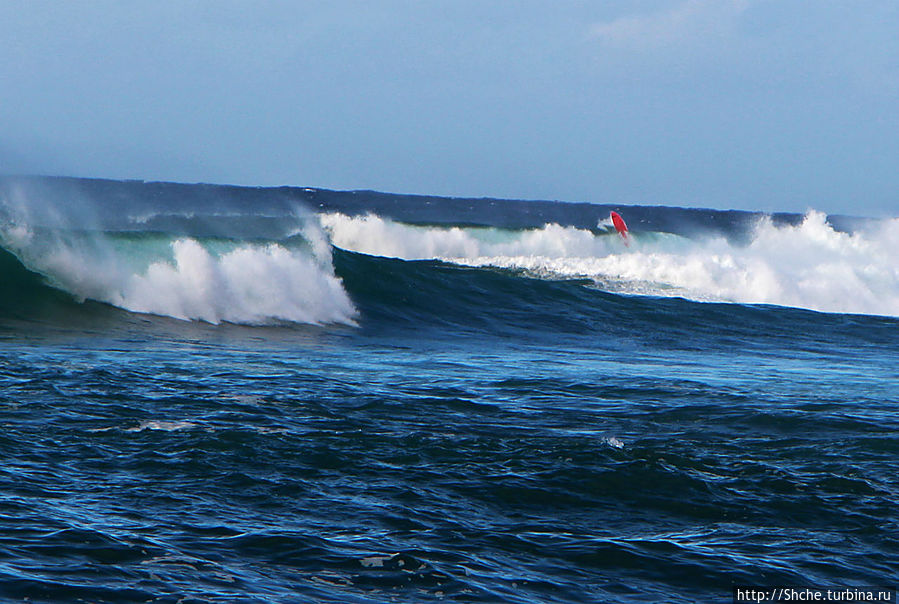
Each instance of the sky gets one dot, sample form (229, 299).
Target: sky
(751, 104)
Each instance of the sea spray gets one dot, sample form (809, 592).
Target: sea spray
(212, 279)
(254, 284)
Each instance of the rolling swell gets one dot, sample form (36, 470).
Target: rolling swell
(428, 295)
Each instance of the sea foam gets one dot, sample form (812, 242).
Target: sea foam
(190, 278)
(253, 284)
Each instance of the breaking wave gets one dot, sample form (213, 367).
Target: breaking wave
(210, 280)
(266, 256)
(808, 265)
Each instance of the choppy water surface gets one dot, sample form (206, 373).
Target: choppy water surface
(295, 402)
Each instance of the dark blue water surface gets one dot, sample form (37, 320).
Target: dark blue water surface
(477, 436)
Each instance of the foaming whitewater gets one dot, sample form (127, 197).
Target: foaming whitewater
(378, 236)
(249, 283)
(193, 278)
(254, 284)
(808, 265)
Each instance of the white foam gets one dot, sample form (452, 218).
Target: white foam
(807, 266)
(252, 284)
(377, 236)
(166, 426)
(614, 442)
(248, 283)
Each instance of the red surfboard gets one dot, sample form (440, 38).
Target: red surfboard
(618, 221)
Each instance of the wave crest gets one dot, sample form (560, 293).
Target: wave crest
(189, 278)
(254, 284)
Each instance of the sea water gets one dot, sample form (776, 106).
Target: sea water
(221, 394)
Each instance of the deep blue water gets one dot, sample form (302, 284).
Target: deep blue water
(251, 395)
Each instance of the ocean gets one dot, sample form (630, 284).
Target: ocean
(232, 394)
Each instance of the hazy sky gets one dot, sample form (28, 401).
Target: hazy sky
(757, 104)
